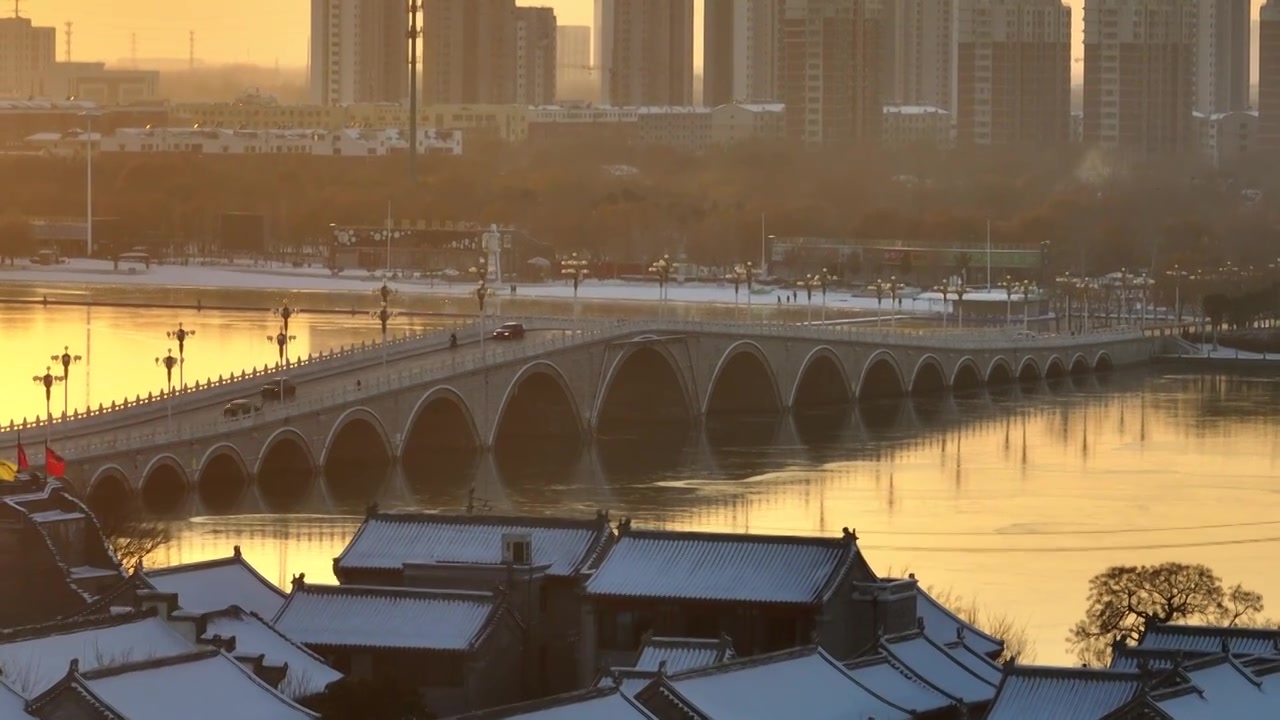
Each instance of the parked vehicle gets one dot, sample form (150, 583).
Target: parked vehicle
(509, 331)
(238, 408)
(1025, 335)
(273, 389)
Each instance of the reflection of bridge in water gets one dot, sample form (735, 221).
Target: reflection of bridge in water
(427, 430)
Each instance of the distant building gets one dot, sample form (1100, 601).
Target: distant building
(739, 50)
(917, 63)
(1139, 75)
(583, 124)
(92, 81)
(359, 52)
(741, 122)
(573, 59)
(828, 72)
(20, 119)
(221, 141)
(683, 128)
(469, 51)
(1269, 77)
(1223, 60)
(908, 125)
(1227, 139)
(1013, 72)
(645, 52)
(536, 38)
(26, 52)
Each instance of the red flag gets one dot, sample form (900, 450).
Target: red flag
(22, 458)
(54, 465)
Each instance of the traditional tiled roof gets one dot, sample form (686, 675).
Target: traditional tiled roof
(897, 685)
(12, 705)
(217, 584)
(1206, 639)
(943, 626)
(723, 567)
(977, 663)
(1223, 689)
(682, 654)
(940, 668)
(34, 658)
(201, 685)
(800, 684)
(388, 540)
(255, 637)
(1134, 658)
(628, 680)
(1061, 693)
(387, 618)
(600, 703)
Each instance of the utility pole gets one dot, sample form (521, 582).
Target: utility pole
(15, 7)
(414, 33)
(66, 50)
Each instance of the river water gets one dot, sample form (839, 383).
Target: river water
(1013, 499)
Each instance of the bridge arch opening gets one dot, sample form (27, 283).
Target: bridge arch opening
(285, 472)
(1000, 373)
(1103, 364)
(164, 488)
(967, 377)
(881, 380)
(110, 497)
(822, 384)
(222, 481)
(538, 431)
(928, 378)
(645, 394)
(744, 384)
(440, 447)
(1028, 372)
(1055, 370)
(1079, 365)
(357, 458)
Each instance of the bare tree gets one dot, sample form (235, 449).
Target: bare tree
(1017, 638)
(133, 537)
(1124, 600)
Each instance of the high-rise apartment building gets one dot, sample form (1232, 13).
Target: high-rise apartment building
(359, 51)
(917, 52)
(644, 52)
(26, 52)
(469, 52)
(827, 74)
(1139, 75)
(535, 55)
(573, 60)
(1269, 77)
(1013, 72)
(739, 39)
(1222, 56)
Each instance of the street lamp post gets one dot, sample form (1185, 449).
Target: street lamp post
(945, 289)
(1177, 274)
(821, 281)
(88, 181)
(749, 269)
(1008, 285)
(736, 276)
(481, 271)
(1025, 289)
(1067, 284)
(169, 362)
(662, 268)
(181, 335)
(384, 315)
(958, 290)
(66, 359)
(47, 380)
(575, 269)
(894, 287)
(284, 312)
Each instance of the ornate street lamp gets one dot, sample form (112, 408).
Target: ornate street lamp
(281, 341)
(738, 275)
(1025, 288)
(574, 268)
(1008, 285)
(386, 293)
(383, 316)
(1177, 274)
(481, 271)
(879, 287)
(893, 288)
(181, 335)
(47, 380)
(662, 268)
(945, 290)
(66, 359)
(284, 312)
(169, 362)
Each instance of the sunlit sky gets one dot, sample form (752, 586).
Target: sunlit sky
(232, 30)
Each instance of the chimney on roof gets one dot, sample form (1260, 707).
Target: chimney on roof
(299, 581)
(517, 549)
(235, 551)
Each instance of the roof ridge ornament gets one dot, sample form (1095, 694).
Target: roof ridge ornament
(299, 581)
(235, 551)
(850, 534)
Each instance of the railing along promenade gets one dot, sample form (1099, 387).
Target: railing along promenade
(437, 366)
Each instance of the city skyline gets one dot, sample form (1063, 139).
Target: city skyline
(104, 30)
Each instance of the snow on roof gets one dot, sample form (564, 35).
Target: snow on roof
(12, 705)
(974, 661)
(723, 567)
(897, 685)
(218, 584)
(927, 660)
(628, 680)
(1061, 693)
(1202, 638)
(203, 685)
(33, 659)
(308, 674)
(593, 704)
(914, 110)
(681, 654)
(943, 626)
(760, 107)
(801, 684)
(1226, 690)
(360, 616)
(386, 541)
(1132, 658)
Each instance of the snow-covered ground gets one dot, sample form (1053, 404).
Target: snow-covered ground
(1227, 353)
(101, 273)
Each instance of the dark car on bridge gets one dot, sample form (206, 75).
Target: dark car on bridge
(278, 387)
(239, 408)
(509, 331)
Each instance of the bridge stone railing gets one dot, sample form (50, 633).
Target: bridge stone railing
(436, 366)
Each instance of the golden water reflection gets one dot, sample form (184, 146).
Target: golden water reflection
(1015, 502)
